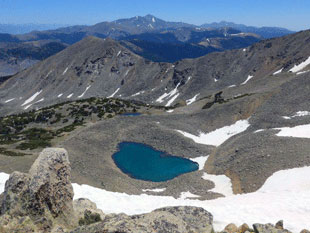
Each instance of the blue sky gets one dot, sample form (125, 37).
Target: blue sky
(292, 14)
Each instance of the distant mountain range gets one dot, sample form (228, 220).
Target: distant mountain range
(148, 36)
(26, 28)
(265, 32)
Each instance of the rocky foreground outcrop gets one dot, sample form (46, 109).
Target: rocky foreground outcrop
(42, 201)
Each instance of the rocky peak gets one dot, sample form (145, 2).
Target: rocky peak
(43, 196)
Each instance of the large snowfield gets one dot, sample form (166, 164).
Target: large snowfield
(285, 195)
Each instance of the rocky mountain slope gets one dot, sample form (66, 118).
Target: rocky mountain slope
(17, 56)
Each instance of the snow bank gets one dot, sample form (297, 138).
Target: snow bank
(69, 96)
(117, 90)
(65, 71)
(201, 161)
(248, 79)
(32, 98)
(172, 95)
(172, 100)
(3, 178)
(192, 100)
(285, 195)
(301, 66)
(276, 200)
(186, 195)
(138, 93)
(154, 190)
(300, 131)
(8, 101)
(218, 136)
(80, 96)
(222, 184)
(298, 114)
(278, 72)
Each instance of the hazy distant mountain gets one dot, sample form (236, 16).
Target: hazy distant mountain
(148, 36)
(17, 56)
(25, 28)
(265, 32)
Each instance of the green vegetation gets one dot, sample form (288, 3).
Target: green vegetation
(6, 152)
(37, 129)
(89, 218)
(220, 100)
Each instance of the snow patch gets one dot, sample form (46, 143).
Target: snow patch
(3, 178)
(170, 111)
(172, 100)
(248, 79)
(32, 98)
(259, 130)
(215, 80)
(65, 71)
(119, 52)
(170, 95)
(222, 184)
(151, 26)
(186, 195)
(278, 72)
(69, 96)
(153, 20)
(80, 96)
(48, 74)
(28, 106)
(8, 101)
(244, 50)
(117, 90)
(218, 136)
(154, 190)
(60, 95)
(302, 72)
(41, 100)
(232, 86)
(301, 66)
(298, 114)
(138, 93)
(300, 131)
(201, 161)
(192, 100)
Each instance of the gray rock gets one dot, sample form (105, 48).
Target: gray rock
(268, 228)
(81, 205)
(43, 196)
(231, 228)
(170, 219)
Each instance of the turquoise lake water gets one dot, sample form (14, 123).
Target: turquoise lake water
(145, 163)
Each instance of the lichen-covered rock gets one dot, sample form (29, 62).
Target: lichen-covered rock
(170, 219)
(43, 197)
(305, 231)
(268, 228)
(231, 228)
(82, 204)
(244, 228)
(279, 225)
